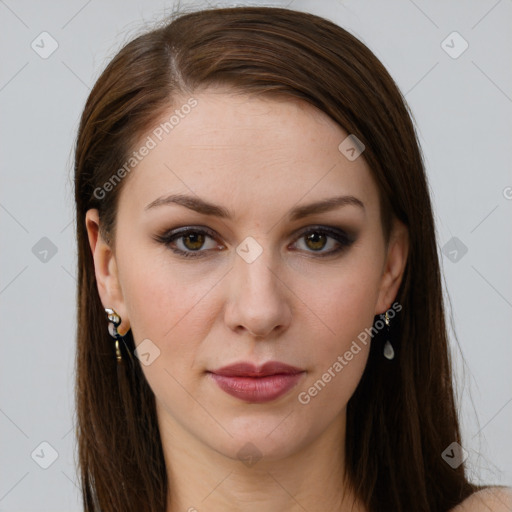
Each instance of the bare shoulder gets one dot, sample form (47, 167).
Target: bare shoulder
(493, 499)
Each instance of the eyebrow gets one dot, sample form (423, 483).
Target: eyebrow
(201, 206)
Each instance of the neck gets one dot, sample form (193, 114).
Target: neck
(202, 478)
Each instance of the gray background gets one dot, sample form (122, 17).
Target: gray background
(462, 108)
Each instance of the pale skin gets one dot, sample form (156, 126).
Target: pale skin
(258, 158)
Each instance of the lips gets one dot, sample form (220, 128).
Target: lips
(257, 384)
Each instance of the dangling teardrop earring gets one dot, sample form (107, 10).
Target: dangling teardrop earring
(389, 352)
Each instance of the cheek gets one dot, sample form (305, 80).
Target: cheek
(339, 355)
(167, 304)
(146, 285)
(344, 305)
(341, 301)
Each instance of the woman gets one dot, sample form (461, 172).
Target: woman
(261, 321)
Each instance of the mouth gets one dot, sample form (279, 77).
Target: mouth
(257, 384)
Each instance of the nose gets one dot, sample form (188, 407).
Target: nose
(259, 301)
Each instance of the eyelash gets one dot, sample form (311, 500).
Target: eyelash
(344, 240)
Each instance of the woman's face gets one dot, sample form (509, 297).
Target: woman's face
(261, 275)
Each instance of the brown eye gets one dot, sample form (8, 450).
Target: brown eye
(316, 240)
(194, 240)
(324, 241)
(189, 242)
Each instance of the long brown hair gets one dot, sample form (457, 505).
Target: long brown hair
(402, 415)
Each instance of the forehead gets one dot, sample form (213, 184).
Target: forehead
(250, 151)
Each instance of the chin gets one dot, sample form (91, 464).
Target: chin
(263, 439)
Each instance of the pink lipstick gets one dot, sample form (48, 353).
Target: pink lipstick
(251, 383)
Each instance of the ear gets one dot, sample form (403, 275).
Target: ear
(105, 269)
(394, 266)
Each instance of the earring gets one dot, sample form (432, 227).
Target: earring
(389, 353)
(114, 322)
